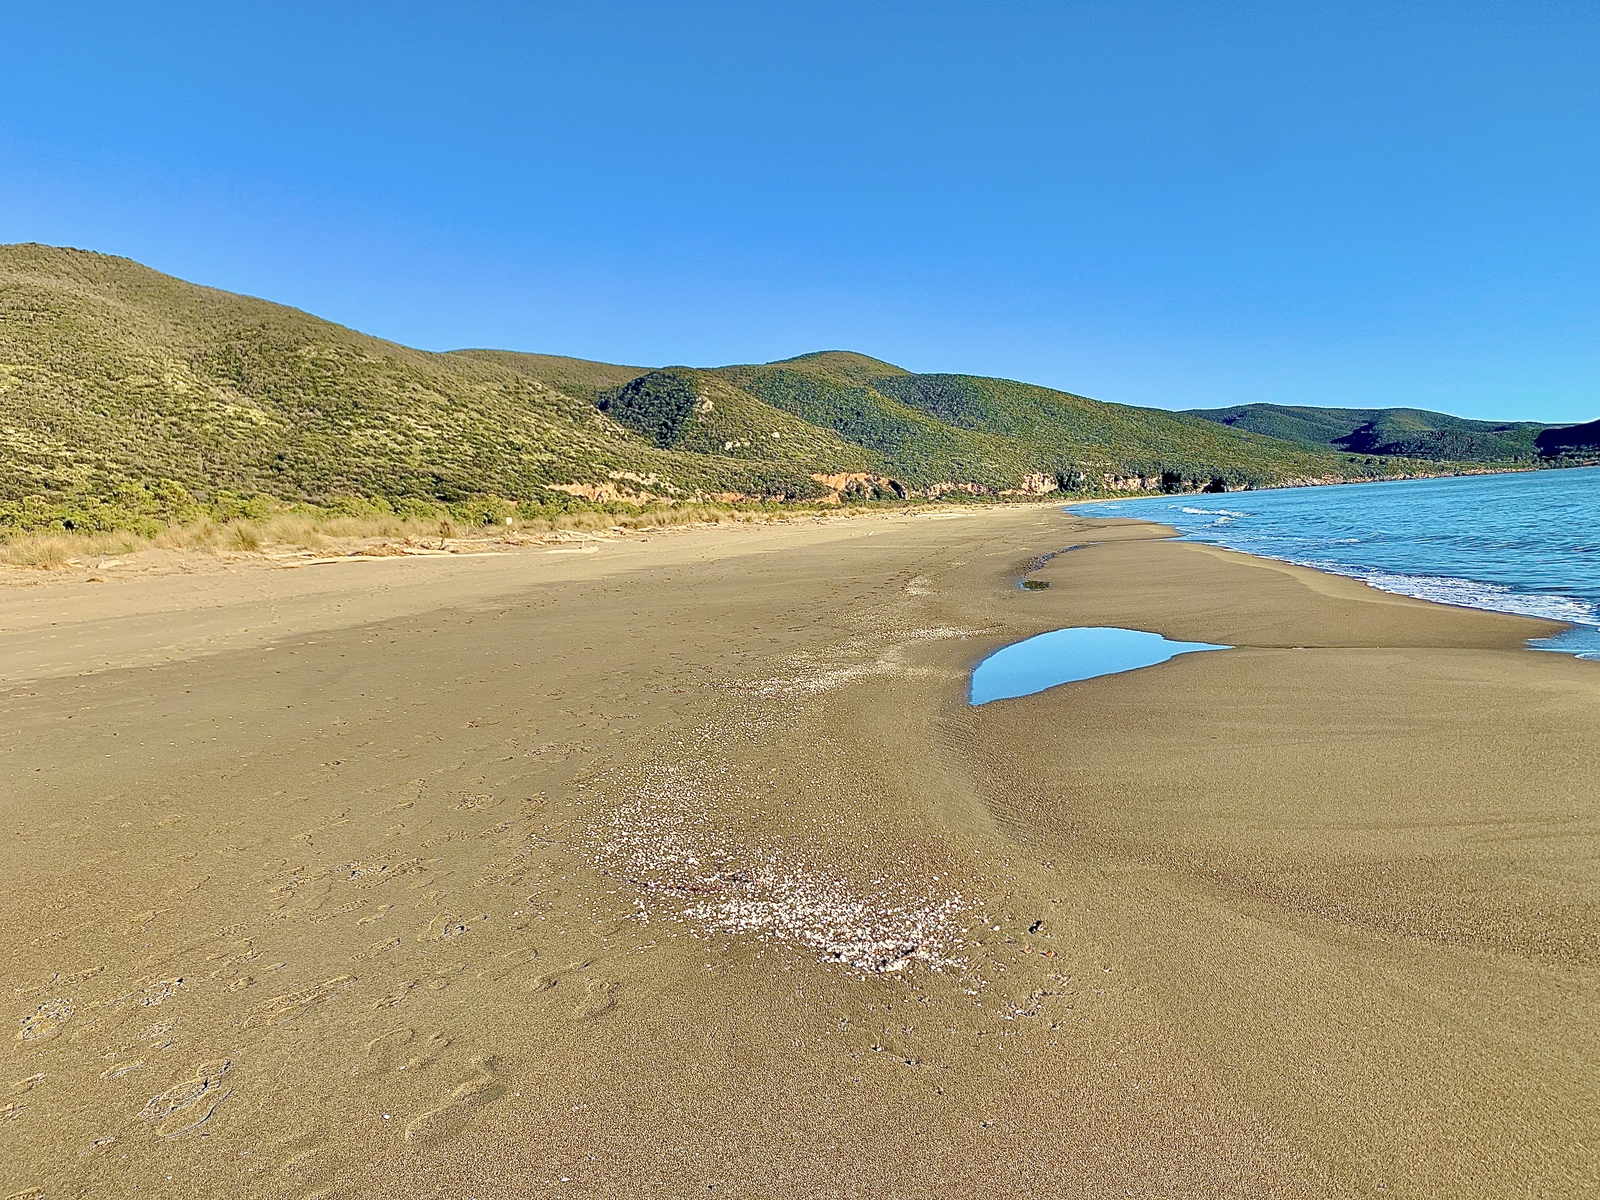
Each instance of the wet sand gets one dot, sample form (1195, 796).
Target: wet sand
(682, 867)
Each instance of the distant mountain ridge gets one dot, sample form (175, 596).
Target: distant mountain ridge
(117, 381)
(1404, 432)
(1570, 440)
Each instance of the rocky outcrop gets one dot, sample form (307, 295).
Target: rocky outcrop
(1038, 484)
(730, 498)
(860, 485)
(1132, 483)
(606, 493)
(621, 493)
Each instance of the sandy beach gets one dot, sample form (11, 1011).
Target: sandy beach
(681, 866)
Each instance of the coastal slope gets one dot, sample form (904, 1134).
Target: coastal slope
(117, 381)
(1405, 432)
(1577, 441)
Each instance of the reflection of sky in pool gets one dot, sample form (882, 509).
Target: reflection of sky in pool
(1068, 655)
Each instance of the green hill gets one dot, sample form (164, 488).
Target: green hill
(117, 381)
(1576, 441)
(995, 432)
(1406, 432)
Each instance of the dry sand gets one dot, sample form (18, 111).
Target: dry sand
(683, 868)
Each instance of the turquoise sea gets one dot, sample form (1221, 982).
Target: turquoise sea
(1524, 543)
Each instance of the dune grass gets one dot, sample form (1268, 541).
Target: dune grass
(335, 533)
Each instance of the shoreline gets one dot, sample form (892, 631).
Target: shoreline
(1177, 535)
(1518, 602)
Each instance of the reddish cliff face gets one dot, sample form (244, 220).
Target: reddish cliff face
(860, 485)
(867, 485)
(1038, 484)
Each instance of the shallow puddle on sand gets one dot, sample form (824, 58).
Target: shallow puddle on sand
(1068, 656)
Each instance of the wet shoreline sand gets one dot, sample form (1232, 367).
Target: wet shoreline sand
(684, 867)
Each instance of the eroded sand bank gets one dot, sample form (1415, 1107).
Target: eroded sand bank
(684, 868)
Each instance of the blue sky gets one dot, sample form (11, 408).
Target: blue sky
(1165, 204)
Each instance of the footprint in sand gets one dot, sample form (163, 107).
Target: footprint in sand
(449, 1116)
(140, 922)
(303, 1165)
(508, 963)
(431, 1050)
(444, 927)
(396, 996)
(45, 1021)
(600, 998)
(158, 991)
(444, 977)
(391, 1040)
(377, 949)
(290, 1005)
(189, 1102)
(233, 959)
(57, 983)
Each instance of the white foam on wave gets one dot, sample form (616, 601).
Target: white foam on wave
(1283, 539)
(1468, 593)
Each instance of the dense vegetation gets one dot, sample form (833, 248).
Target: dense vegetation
(1577, 441)
(656, 404)
(112, 375)
(995, 432)
(1406, 432)
(128, 397)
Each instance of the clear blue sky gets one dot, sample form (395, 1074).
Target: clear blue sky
(1167, 204)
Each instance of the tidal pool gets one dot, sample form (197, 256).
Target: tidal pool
(1070, 655)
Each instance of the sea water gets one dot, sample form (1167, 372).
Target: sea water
(1526, 543)
(1068, 656)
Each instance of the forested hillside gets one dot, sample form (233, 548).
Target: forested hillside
(123, 386)
(1401, 432)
